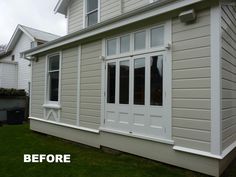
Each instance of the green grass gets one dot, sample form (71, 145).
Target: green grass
(85, 161)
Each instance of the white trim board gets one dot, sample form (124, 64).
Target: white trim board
(66, 125)
(78, 85)
(197, 152)
(216, 111)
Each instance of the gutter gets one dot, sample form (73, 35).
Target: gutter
(153, 9)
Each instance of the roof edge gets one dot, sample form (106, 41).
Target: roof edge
(16, 34)
(61, 7)
(164, 5)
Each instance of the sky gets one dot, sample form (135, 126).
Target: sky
(37, 14)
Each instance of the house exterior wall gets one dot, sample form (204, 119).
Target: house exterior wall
(128, 5)
(90, 85)
(23, 77)
(228, 61)
(37, 87)
(8, 73)
(75, 15)
(23, 65)
(191, 97)
(190, 92)
(191, 83)
(108, 10)
(69, 80)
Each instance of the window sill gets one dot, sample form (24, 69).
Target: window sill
(52, 106)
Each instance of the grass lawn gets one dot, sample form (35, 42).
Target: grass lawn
(85, 161)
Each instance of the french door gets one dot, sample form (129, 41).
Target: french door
(135, 98)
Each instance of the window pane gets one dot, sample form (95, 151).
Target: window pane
(157, 37)
(156, 80)
(92, 5)
(111, 82)
(54, 63)
(54, 83)
(140, 40)
(124, 82)
(124, 44)
(92, 18)
(111, 47)
(139, 81)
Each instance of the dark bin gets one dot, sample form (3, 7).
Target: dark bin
(15, 116)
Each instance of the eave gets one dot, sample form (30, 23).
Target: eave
(61, 7)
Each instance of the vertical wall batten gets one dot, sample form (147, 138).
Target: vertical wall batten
(78, 84)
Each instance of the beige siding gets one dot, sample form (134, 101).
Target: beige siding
(90, 85)
(69, 80)
(228, 76)
(110, 9)
(191, 83)
(75, 16)
(128, 5)
(38, 85)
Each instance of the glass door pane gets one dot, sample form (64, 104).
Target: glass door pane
(111, 82)
(124, 82)
(156, 88)
(139, 81)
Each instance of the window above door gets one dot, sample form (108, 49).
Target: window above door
(138, 42)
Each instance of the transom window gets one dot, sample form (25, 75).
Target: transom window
(143, 40)
(91, 12)
(53, 77)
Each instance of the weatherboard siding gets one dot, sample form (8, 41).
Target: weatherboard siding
(191, 83)
(128, 5)
(38, 86)
(228, 25)
(110, 9)
(75, 15)
(90, 85)
(69, 80)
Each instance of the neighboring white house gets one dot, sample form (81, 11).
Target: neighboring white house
(15, 72)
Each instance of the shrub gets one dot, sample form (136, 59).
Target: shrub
(11, 92)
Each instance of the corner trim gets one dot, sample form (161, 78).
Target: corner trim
(216, 85)
(66, 125)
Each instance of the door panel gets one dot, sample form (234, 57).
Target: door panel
(139, 104)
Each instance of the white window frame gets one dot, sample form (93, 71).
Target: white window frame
(85, 13)
(47, 102)
(148, 47)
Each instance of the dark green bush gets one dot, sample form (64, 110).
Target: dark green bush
(11, 92)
